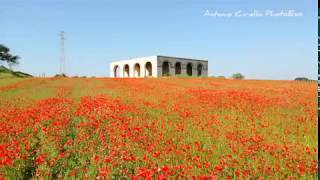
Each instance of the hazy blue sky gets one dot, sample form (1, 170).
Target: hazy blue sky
(99, 32)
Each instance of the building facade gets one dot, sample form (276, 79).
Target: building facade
(158, 66)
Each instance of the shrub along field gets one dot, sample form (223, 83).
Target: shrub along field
(170, 128)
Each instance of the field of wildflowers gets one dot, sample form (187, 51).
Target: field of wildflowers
(92, 128)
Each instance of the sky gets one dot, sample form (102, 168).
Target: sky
(101, 31)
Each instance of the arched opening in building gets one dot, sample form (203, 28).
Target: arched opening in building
(126, 71)
(178, 68)
(116, 71)
(137, 70)
(199, 69)
(148, 69)
(189, 69)
(165, 68)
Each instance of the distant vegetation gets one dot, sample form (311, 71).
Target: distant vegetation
(302, 79)
(238, 76)
(7, 57)
(8, 73)
(11, 60)
(60, 75)
(221, 77)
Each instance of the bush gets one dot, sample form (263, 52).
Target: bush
(301, 79)
(238, 76)
(60, 75)
(21, 74)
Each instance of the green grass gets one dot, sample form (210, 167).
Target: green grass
(8, 73)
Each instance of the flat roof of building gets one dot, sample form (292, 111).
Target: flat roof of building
(181, 58)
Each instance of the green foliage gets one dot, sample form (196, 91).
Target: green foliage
(21, 74)
(6, 56)
(238, 76)
(304, 79)
(6, 73)
(301, 79)
(3, 69)
(61, 75)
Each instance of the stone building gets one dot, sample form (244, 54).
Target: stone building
(157, 66)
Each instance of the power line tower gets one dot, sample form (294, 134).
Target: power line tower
(62, 56)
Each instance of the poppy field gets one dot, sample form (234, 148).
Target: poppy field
(166, 128)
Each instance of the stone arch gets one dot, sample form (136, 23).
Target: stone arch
(116, 71)
(178, 68)
(199, 69)
(148, 71)
(189, 69)
(136, 70)
(165, 68)
(126, 71)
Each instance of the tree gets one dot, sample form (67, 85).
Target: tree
(7, 57)
(301, 79)
(237, 76)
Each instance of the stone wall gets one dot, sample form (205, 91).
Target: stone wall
(184, 62)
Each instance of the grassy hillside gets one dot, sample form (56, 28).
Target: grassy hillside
(8, 73)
